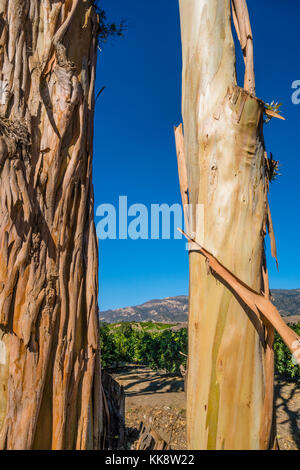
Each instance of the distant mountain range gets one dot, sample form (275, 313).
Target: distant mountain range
(175, 309)
(170, 310)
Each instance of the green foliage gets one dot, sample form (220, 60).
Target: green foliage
(275, 107)
(107, 29)
(159, 346)
(155, 326)
(154, 345)
(107, 345)
(169, 346)
(284, 363)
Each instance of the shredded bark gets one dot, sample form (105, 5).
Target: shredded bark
(50, 394)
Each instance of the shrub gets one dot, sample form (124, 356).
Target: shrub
(158, 348)
(284, 363)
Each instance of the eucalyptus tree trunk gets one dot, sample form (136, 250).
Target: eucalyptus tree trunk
(230, 373)
(49, 341)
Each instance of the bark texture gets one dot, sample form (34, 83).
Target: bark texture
(50, 386)
(230, 373)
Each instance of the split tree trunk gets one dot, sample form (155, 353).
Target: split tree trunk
(49, 342)
(230, 373)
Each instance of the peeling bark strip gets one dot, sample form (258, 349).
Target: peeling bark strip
(230, 373)
(258, 303)
(244, 32)
(182, 173)
(50, 390)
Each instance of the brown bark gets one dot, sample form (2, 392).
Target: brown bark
(150, 440)
(50, 390)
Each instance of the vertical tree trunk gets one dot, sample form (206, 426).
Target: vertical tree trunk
(49, 342)
(230, 374)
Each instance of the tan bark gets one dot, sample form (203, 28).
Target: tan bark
(243, 28)
(182, 173)
(230, 373)
(258, 303)
(50, 390)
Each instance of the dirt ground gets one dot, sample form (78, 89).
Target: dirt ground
(159, 400)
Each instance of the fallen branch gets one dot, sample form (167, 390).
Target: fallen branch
(258, 303)
(150, 440)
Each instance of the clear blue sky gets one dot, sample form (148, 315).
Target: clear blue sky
(134, 143)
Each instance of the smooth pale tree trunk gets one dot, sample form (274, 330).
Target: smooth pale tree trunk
(49, 341)
(230, 373)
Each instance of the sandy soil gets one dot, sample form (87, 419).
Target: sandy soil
(158, 399)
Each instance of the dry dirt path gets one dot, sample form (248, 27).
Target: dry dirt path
(158, 399)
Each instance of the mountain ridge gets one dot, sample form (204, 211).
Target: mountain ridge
(175, 309)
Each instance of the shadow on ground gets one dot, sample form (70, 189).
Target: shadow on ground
(159, 399)
(287, 396)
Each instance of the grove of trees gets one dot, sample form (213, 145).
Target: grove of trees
(165, 348)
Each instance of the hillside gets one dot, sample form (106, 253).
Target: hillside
(175, 309)
(169, 310)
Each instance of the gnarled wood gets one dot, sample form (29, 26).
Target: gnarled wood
(150, 440)
(50, 390)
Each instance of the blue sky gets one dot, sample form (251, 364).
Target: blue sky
(134, 142)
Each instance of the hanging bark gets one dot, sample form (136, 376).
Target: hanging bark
(50, 390)
(259, 304)
(231, 359)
